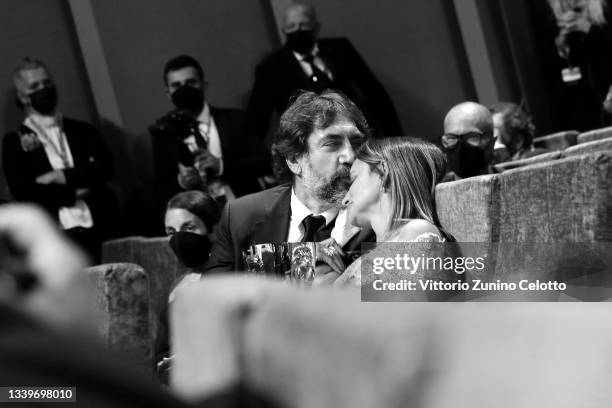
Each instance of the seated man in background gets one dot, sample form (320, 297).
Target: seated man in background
(513, 127)
(312, 64)
(468, 141)
(314, 148)
(59, 163)
(200, 147)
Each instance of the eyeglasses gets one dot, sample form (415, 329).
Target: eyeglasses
(450, 140)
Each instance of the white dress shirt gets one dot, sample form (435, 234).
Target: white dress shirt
(319, 63)
(341, 232)
(210, 134)
(54, 140)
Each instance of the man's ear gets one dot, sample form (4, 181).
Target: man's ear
(294, 165)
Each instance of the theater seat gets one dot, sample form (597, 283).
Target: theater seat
(589, 147)
(156, 258)
(566, 200)
(597, 134)
(557, 141)
(469, 208)
(540, 158)
(122, 302)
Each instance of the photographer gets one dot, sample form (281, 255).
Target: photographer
(198, 146)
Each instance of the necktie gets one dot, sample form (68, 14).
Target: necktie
(315, 229)
(320, 80)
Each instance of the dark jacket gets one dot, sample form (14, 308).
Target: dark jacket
(92, 169)
(257, 219)
(244, 160)
(280, 75)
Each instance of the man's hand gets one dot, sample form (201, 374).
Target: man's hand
(190, 179)
(52, 177)
(206, 161)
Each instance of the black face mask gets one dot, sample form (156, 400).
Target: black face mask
(188, 98)
(301, 41)
(190, 248)
(472, 160)
(44, 100)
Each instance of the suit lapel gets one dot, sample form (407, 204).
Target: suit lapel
(274, 225)
(292, 68)
(223, 128)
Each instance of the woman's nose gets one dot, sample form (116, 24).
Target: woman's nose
(346, 200)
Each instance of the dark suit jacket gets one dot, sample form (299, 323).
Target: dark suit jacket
(280, 75)
(92, 169)
(243, 159)
(257, 219)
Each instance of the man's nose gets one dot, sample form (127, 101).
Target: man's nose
(347, 154)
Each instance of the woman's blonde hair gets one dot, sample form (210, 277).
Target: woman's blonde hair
(594, 9)
(414, 168)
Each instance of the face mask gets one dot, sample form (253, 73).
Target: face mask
(190, 248)
(188, 98)
(301, 41)
(472, 160)
(44, 100)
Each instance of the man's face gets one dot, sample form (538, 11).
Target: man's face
(325, 168)
(467, 130)
(32, 80)
(184, 76)
(299, 18)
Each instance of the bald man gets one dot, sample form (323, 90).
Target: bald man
(312, 64)
(468, 140)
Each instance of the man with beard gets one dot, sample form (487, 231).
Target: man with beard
(314, 148)
(59, 163)
(201, 147)
(468, 141)
(315, 64)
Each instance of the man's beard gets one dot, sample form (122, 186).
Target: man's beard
(331, 190)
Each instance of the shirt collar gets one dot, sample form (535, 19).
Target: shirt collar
(314, 53)
(299, 211)
(42, 121)
(205, 114)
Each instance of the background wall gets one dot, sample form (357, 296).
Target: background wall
(414, 48)
(41, 29)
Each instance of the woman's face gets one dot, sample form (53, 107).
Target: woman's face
(363, 198)
(178, 219)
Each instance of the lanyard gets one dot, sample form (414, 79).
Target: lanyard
(62, 150)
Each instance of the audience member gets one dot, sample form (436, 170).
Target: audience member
(468, 141)
(189, 220)
(199, 146)
(59, 163)
(584, 42)
(314, 147)
(308, 63)
(393, 190)
(515, 130)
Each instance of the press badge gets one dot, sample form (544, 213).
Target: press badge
(571, 74)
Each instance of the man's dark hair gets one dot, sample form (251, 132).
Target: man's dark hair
(307, 112)
(180, 62)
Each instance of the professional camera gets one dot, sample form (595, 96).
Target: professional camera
(181, 125)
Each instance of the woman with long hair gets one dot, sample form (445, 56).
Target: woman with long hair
(393, 192)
